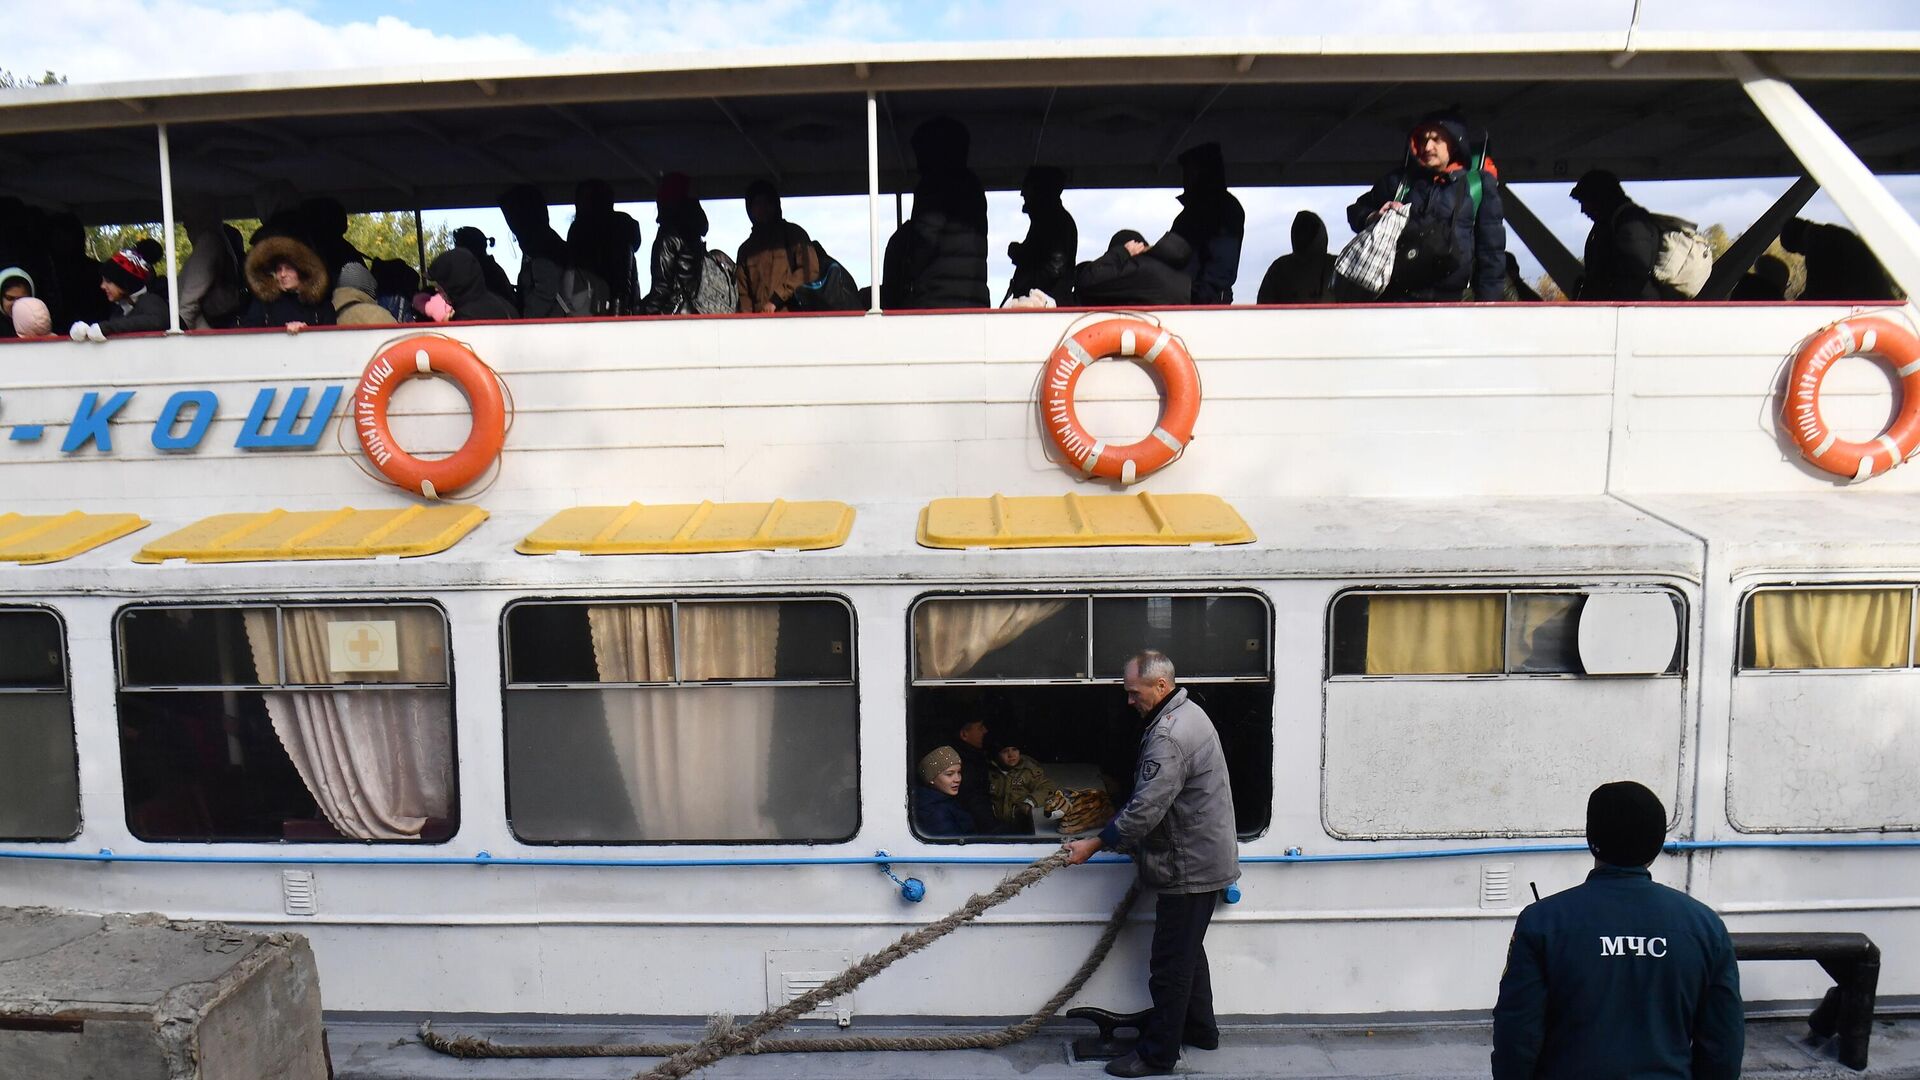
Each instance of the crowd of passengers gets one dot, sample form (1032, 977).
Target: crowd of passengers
(298, 269)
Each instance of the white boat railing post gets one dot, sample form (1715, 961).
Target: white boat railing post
(1740, 256)
(166, 226)
(873, 201)
(1889, 231)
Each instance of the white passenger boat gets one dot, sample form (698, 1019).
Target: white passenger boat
(502, 755)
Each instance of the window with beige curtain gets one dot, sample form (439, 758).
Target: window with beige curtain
(312, 722)
(952, 636)
(1433, 633)
(1801, 629)
(689, 755)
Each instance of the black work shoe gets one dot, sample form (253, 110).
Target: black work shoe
(1135, 1065)
(1209, 1041)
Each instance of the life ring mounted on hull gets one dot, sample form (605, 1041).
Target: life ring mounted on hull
(1131, 338)
(420, 356)
(1865, 335)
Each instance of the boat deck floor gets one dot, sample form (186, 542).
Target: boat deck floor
(365, 1049)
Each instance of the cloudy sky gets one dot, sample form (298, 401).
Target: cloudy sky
(112, 40)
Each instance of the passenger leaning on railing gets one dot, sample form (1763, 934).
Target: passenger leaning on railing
(778, 257)
(126, 279)
(15, 285)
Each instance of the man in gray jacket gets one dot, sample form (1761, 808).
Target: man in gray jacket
(1178, 826)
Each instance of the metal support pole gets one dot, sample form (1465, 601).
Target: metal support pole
(166, 225)
(873, 202)
(420, 242)
(1560, 264)
(1729, 268)
(1889, 231)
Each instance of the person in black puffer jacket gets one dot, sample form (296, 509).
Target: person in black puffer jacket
(1212, 222)
(460, 277)
(938, 259)
(1437, 192)
(290, 286)
(679, 249)
(1131, 273)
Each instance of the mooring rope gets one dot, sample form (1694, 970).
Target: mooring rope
(725, 1037)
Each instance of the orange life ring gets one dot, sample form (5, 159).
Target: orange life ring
(1865, 335)
(1155, 345)
(420, 355)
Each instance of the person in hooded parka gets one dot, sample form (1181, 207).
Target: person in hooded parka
(1306, 275)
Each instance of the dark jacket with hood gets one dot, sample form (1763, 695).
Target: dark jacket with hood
(1213, 224)
(1480, 240)
(1621, 249)
(461, 277)
(1044, 260)
(1840, 266)
(1157, 275)
(1306, 276)
(679, 258)
(603, 241)
(938, 259)
(543, 260)
(272, 307)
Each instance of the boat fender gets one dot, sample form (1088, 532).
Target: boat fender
(1233, 892)
(420, 356)
(1865, 335)
(1134, 339)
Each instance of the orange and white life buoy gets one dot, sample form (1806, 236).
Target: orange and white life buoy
(1865, 335)
(417, 356)
(1131, 338)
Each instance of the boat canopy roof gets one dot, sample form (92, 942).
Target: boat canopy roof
(1113, 114)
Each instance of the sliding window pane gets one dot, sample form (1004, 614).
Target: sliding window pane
(1001, 638)
(1805, 629)
(1205, 636)
(1543, 633)
(30, 651)
(198, 647)
(1419, 633)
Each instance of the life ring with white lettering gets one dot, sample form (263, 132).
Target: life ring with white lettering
(1123, 337)
(417, 356)
(1866, 335)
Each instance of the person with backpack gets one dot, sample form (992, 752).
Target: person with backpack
(1456, 232)
(602, 241)
(212, 292)
(679, 250)
(1623, 244)
(544, 257)
(778, 257)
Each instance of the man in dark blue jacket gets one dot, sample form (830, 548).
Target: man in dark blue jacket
(1620, 977)
(1436, 188)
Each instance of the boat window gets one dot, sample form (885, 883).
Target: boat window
(681, 721)
(39, 778)
(1041, 674)
(1464, 632)
(287, 723)
(1800, 629)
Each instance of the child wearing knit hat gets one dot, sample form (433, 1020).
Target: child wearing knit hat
(937, 810)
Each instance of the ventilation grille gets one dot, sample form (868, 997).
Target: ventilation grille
(791, 973)
(296, 890)
(1496, 885)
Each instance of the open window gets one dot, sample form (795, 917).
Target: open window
(1043, 672)
(1522, 699)
(682, 721)
(308, 722)
(1821, 735)
(39, 779)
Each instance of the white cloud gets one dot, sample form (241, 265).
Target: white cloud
(98, 41)
(658, 26)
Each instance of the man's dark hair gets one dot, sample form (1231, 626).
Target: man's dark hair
(1125, 236)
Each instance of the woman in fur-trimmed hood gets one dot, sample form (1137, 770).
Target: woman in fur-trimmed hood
(290, 285)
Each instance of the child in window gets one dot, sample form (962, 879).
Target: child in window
(1018, 784)
(935, 803)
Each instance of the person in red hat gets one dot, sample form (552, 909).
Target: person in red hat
(124, 279)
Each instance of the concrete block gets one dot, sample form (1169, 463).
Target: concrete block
(142, 997)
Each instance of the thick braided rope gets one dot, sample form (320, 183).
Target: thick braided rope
(724, 1038)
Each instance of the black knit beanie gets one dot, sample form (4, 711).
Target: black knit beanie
(1626, 825)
